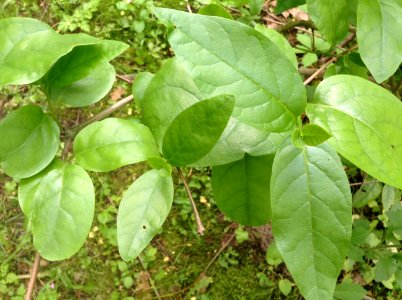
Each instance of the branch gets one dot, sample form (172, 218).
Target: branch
(200, 226)
(151, 281)
(291, 25)
(31, 284)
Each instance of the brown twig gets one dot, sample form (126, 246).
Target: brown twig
(32, 280)
(124, 78)
(219, 253)
(291, 25)
(189, 7)
(200, 226)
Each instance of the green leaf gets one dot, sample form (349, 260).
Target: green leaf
(310, 135)
(352, 11)
(33, 56)
(12, 30)
(241, 189)
(233, 58)
(87, 90)
(395, 220)
(112, 143)
(215, 10)
(285, 286)
(330, 18)
(280, 41)
(368, 191)
(380, 41)
(140, 85)
(282, 5)
(309, 59)
(30, 140)
(311, 216)
(143, 209)
(361, 117)
(61, 210)
(273, 257)
(196, 130)
(170, 92)
(390, 196)
(256, 6)
(349, 291)
(385, 267)
(28, 187)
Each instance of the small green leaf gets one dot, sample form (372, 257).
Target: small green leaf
(395, 220)
(143, 209)
(140, 85)
(215, 10)
(280, 41)
(330, 18)
(282, 5)
(29, 141)
(309, 184)
(378, 37)
(61, 210)
(196, 130)
(313, 135)
(369, 191)
(241, 189)
(361, 117)
(309, 59)
(112, 143)
(349, 291)
(385, 267)
(390, 196)
(285, 286)
(273, 257)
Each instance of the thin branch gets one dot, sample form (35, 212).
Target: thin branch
(32, 280)
(124, 78)
(362, 183)
(189, 7)
(200, 226)
(158, 296)
(321, 69)
(219, 252)
(291, 25)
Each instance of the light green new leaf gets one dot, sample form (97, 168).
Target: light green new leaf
(29, 141)
(311, 216)
(312, 135)
(379, 36)
(331, 18)
(241, 189)
(12, 30)
(112, 143)
(349, 291)
(143, 209)
(363, 119)
(368, 191)
(215, 10)
(84, 91)
(61, 210)
(390, 196)
(280, 41)
(282, 5)
(227, 57)
(195, 131)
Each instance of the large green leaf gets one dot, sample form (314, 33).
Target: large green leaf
(227, 57)
(311, 216)
(12, 30)
(379, 36)
(143, 209)
(29, 141)
(112, 143)
(331, 18)
(60, 205)
(364, 120)
(241, 189)
(195, 131)
(282, 5)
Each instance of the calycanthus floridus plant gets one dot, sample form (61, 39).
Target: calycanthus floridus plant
(230, 99)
